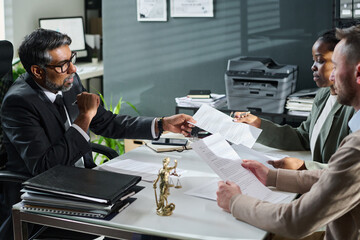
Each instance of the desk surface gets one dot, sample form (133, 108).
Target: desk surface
(89, 70)
(193, 217)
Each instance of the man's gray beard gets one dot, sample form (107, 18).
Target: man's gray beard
(53, 87)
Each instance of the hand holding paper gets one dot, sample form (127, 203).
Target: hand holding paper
(227, 165)
(214, 121)
(259, 170)
(225, 192)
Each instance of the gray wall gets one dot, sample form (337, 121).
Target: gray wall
(151, 63)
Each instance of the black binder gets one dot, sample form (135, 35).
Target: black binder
(82, 183)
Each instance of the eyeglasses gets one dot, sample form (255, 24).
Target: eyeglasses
(65, 66)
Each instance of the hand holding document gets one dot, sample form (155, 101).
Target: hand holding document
(214, 121)
(251, 154)
(226, 163)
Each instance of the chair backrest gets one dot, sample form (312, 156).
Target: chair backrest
(6, 79)
(6, 57)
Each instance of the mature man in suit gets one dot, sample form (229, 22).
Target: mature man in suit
(331, 197)
(42, 131)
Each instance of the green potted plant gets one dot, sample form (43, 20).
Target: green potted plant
(116, 144)
(17, 69)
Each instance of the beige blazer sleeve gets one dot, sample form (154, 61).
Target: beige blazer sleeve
(331, 198)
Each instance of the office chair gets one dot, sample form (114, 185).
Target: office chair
(6, 80)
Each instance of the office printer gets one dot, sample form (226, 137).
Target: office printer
(259, 84)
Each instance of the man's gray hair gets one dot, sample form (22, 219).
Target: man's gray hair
(34, 49)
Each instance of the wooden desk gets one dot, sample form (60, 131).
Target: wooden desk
(193, 218)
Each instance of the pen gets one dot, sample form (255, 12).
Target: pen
(231, 114)
(74, 103)
(244, 114)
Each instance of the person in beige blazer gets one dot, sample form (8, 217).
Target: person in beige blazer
(330, 132)
(330, 197)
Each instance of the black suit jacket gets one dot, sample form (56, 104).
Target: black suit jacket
(36, 139)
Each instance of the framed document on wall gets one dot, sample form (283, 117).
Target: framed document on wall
(151, 10)
(192, 8)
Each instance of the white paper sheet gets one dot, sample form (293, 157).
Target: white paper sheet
(207, 190)
(192, 8)
(227, 165)
(147, 171)
(151, 10)
(214, 121)
(248, 153)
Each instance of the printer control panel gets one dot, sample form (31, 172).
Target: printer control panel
(257, 74)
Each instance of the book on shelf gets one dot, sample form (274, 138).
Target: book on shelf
(78, 191)
(199, 94)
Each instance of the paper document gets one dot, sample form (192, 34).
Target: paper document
(206, 190)
(227, 165)
(214, 121)
(147, 171)
(251, 154)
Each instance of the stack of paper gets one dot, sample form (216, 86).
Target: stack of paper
(79, 192)
(216, 101)
(300, 103)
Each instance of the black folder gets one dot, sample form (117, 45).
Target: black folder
(87, 184)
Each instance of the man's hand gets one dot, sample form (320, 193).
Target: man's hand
(178, 124)
(88, 104)
(288, 163)
(250, 119)
(258, 169)
(225, 192)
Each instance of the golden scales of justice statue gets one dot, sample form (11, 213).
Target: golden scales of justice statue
(163, 208)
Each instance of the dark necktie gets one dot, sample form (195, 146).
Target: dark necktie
(59, 103)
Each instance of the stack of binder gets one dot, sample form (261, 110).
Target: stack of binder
(300, 103)
(79, 192)
(215, 100)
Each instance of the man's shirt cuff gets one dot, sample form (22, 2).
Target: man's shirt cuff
(82, 132)
(153, 128)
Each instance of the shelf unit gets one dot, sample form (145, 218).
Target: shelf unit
(346, 13)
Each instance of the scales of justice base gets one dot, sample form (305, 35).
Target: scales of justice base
(163, 208)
